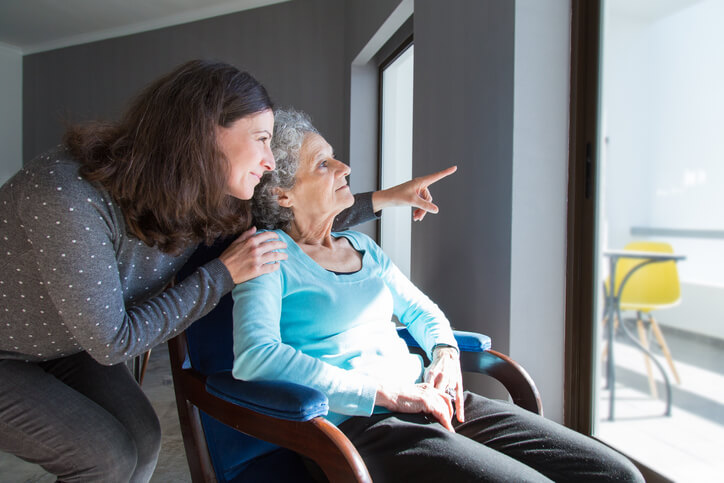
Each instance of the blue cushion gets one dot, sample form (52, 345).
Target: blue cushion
(279, 399)
(467, 341)
(236, 455)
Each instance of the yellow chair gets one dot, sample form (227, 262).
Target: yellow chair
(652, 287)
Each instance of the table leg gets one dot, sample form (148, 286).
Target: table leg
(643, 349)
(613, 312)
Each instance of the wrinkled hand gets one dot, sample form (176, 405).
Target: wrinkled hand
(417, 398)
(250, 255)
(415, 193)
(444, 373)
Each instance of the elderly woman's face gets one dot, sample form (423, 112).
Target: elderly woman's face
(320, 187)
(246, 146)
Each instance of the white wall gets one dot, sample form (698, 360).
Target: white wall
(368, 27)
(11, 113)
(624, 130)
(664, 160)
(540, 174)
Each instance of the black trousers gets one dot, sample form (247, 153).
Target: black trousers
(498, 442)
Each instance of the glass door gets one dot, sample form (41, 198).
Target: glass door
(659, 316)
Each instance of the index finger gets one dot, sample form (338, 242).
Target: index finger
(435, 177)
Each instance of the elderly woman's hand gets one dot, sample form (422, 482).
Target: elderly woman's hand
(414, 193)
(252, 255)
(445, 375)
(417, 398)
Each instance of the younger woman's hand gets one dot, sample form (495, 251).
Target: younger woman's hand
(415, 193)
(252, 255)
(417, 398)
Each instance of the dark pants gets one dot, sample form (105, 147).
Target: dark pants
(498, 442)
(78, 419)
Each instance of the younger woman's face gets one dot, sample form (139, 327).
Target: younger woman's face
(246, 146)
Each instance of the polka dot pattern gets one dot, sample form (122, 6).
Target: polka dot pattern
(73, 279)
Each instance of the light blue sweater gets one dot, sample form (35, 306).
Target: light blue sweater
(307, 325)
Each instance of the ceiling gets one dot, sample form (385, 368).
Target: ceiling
(30, 26)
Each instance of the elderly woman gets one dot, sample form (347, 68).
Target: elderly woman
(324, 320)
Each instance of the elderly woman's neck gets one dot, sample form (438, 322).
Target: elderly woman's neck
(311, 232)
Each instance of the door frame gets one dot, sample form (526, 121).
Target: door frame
(581, 221)
(581, 249)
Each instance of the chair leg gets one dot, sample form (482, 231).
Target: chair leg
(141, 364)
(664, 347)
(645, 342)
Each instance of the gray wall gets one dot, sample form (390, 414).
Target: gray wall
(463, 114)
(11, 75)
(369, 25)
(293, 48)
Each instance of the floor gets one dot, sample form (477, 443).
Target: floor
(688, 446)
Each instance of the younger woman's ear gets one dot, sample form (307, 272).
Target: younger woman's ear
(283, 198)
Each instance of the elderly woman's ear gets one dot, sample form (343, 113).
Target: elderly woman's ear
(282, 198)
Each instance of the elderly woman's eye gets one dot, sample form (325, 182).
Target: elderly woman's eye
(323, 164)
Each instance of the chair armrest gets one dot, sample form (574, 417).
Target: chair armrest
(278, 399)
(317, 438)
(476, 356)
(472, 341)
(509, 373)
(467, 341)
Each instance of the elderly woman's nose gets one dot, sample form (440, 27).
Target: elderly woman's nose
(343, 169)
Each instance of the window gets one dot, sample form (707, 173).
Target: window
(396, 89)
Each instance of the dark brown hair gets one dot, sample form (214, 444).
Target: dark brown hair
(161, 162)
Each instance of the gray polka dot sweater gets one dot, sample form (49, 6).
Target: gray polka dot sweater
(73, 279)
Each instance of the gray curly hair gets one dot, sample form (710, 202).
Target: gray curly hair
(290, 128)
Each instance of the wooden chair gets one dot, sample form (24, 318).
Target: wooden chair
(286, 415)
(244, 430)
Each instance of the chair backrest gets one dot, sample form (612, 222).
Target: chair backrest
(209, 340)
(652, 286)
(209, 344)
(235, 456)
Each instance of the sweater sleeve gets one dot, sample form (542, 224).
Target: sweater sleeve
(356, 214)
(74, 237)
(422, 317)
(260, 353)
